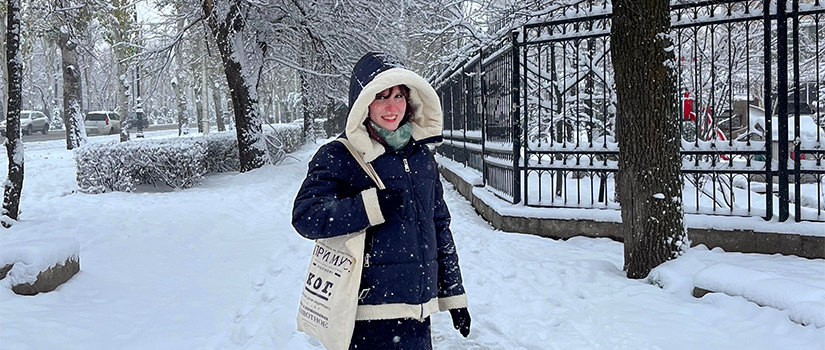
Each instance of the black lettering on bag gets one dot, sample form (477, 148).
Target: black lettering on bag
(327, 286)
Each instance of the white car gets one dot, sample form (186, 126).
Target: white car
(30, 122)
(102, 123)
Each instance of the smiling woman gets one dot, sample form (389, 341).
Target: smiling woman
(410, 264)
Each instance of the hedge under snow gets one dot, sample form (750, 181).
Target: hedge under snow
(178, 162)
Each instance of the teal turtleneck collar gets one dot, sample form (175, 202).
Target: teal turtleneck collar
(395, 139)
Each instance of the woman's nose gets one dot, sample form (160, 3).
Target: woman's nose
(395, 106)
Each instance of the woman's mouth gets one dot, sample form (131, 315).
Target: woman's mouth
(390, 118)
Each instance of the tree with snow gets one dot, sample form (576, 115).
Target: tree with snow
(649, 164)
(4, 90)
(66, 20)
(228, 22)
(13, 186)
(120, 29)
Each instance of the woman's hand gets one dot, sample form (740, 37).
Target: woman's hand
(461, 320)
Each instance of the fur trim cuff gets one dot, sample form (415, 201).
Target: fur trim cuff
(453, 302)
(373, 209)
(393, 311)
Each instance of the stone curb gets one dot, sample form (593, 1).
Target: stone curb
(743, 241)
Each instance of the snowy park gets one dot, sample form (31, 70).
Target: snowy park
(619, 174)
(219, 266)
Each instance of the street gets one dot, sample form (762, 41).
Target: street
(61, 134)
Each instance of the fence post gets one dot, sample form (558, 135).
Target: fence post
(452, 120)
(782, 105)
(768, 112)
(796, 152)
(466, 110)
(514, 119)
(483, 116)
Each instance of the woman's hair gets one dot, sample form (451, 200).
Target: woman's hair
(405, 91)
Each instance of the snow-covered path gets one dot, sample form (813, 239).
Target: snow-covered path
(219, 266)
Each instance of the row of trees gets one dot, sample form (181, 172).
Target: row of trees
(261, 61)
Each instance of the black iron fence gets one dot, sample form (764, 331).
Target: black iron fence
(534, 112)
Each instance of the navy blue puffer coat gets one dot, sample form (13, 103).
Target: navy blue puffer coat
(411, 267)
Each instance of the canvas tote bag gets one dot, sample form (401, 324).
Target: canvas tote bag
(329, 298)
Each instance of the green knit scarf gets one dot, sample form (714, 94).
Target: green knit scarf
(396, 139)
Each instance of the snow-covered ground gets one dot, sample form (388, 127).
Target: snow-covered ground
(220, 267)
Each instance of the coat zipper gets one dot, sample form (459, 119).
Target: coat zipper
(367, 252)
(363, 294)
(415, 210)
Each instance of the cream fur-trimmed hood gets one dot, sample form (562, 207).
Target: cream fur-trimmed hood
(426, 122)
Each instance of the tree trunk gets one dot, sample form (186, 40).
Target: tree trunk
(270, 106)
(280, 114)
(198, 92)
(13, 186)
(197, 87)
(204, 97)
(215, 76)
(181, 105)
(72, 93)
(122, 108)
(307, 129)
(177, 86)
(216, 97)
(230, 112)
(48, 53)
(5, 87)
(651, 196)
(90, 103)
(28, 90)
(227, 28)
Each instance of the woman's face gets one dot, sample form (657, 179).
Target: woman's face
(387, 110)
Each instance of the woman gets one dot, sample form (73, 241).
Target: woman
(410, 263)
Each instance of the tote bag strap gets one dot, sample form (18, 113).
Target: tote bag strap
(364, 165)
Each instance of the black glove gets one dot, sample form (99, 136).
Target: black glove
(391, 202)
(461, 320)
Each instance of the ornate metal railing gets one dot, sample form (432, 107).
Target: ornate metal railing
(535, 111)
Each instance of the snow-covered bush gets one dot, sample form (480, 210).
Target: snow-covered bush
(222, 148)
(177, 162)
(282, 139)
(122, 166)
(222, 152)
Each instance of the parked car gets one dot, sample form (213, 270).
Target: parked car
(102, 123)
(30, 122)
